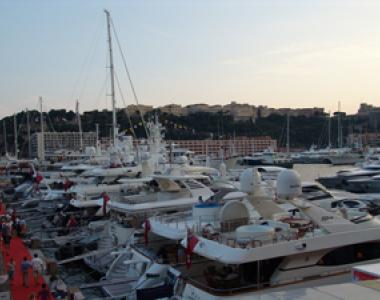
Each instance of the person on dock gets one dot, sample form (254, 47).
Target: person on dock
(72, 223)
(44, 293)
(6, 234)
(11, 270)
(32, 296)
(38, 267)
(25, 266)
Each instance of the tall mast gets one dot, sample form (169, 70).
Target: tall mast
(329, 133)
(15, 135)
(42, 132)
(114, 124)
(28, 129)
(97, 136)
(80, 126)
(287, 134)
(340, 138)
(5, 137)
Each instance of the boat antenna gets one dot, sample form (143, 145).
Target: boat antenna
(111, 66)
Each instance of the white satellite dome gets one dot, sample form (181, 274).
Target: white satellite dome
(288, 184)
(249, 178)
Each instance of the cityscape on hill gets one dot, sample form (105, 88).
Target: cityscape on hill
(308, 126)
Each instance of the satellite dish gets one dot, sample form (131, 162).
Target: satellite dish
(288, 185)
(249, 179)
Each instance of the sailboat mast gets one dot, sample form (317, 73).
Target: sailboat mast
(97, 136)
(15, 135)
(114, 124)
(329, 133)
(340, 140)
(80, 126)
(42, 132)
(287, 134)
(5, 136)
(28, 130)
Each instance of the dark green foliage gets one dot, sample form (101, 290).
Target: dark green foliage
(304, 131)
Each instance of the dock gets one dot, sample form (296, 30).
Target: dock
(15, 290)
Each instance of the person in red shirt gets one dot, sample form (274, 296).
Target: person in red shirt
(67, 184)
(38, 180)
(72, 223)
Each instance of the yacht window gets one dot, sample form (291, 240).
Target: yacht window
(206, 181)
(314, 193)
(260, 272)
(193, 184)
(351, 204)
(351, 254)
(180, 184)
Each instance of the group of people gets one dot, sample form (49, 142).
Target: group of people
(37, 266)
(11, 225)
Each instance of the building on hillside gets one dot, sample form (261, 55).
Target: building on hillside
(372, 113)
(173, 109)
(60, 141)
(241, 112)
(196, 108)
(134, 109)
(366, 109)
(364, 139)
(238, 146)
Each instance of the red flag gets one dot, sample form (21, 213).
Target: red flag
(39, 178)
(106, 198)
(146, 231)
(192, 241)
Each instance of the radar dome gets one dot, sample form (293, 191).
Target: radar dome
(249, 178)
(288, 184)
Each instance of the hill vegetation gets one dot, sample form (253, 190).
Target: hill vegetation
(303, 131)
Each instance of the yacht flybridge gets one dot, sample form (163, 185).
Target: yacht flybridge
(169, 192)
(243, 254)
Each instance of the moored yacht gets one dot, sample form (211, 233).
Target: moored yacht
(249, 257)
(164, 193)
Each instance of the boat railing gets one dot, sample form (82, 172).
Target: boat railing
(211, 227)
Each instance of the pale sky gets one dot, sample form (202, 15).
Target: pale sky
(276, 53)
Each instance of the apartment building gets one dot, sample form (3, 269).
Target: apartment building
(238, 146)
(55, 141)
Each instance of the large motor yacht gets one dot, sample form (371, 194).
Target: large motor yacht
(236, 255)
